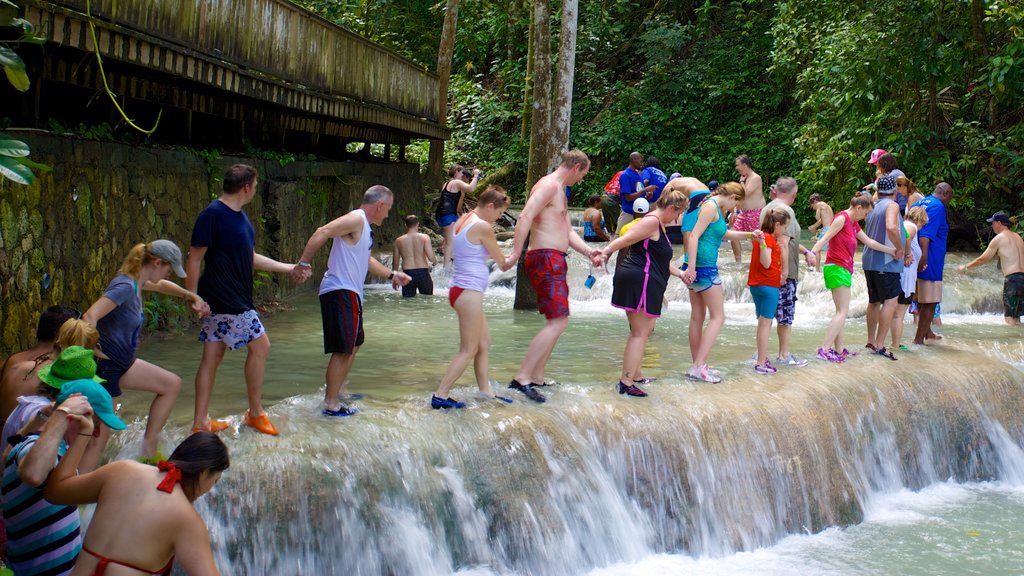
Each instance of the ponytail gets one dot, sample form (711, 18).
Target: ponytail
(138, 257)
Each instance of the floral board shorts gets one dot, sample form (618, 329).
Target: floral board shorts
(235, 330)
(747, 220)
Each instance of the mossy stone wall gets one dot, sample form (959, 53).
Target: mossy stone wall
(64, 237)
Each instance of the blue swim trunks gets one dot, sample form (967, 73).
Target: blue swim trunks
(707, 276)
(447, 220)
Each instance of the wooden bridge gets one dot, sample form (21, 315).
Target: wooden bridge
(264, 70)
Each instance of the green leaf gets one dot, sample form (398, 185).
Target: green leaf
(12, 170)
(10, 59)
(9, 3)
(17, 78)
(13, 148)
(34, 165)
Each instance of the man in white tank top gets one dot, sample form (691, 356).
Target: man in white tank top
(341, 290)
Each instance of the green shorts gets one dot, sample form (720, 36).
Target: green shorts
(836, 276)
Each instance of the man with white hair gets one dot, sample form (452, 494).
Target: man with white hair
(785, 196)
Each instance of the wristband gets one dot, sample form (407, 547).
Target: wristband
(304, 264)
(806, 252)
(63, 409)
(392, 275)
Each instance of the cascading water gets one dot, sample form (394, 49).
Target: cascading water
(592, 481)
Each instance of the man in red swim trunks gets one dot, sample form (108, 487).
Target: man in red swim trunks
(545, 219)
(748, 212)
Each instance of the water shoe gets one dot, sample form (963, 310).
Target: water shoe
(212, 426)
(529, 391)
(342, 410)
(261, 423)
(437, 403)
(631, 390)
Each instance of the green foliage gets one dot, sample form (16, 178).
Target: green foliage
(163, 313)
(14, 163)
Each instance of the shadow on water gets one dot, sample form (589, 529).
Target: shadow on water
(592, 479)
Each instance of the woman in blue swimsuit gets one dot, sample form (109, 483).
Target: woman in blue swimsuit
(707, 298)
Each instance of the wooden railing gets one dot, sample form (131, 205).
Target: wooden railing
(282, 41)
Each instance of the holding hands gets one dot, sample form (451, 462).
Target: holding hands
(301, 272)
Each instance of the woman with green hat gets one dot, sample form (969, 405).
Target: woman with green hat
(118, 316)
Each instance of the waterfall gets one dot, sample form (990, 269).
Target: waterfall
(588, 480)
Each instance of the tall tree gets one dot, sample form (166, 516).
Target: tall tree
(540, 127)
(444, 71)
(560, 117)
(540, 119)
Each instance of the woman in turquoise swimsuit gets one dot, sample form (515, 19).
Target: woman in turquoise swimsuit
(707, 299)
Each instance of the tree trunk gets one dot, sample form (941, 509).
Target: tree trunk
(540, 118)
(540, 130)
(444, 72)
(528, 83)
(562, 114)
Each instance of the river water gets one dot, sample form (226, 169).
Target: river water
(869, 467)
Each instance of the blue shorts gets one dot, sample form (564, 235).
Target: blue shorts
(447, 220)
(707, 276)
(766, 300)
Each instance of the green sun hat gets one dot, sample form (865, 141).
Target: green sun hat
(74, 363)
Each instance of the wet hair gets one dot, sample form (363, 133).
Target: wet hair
(375, 194)
(200, 452)
(673, 197)
(237, 177)
(52, 319)
(574, 158)
(785, 185)
(652, 162)
(594, 199)
(734, 189)
(137, 257)
(772, 218)
(495, 195)
(862, 200)
(887, 162)
(918, 215)
(77, 332)
(455, 170)
(745, 160)
(411, 220)
(815, 198)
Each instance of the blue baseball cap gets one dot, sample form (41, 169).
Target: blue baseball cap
(100, 400)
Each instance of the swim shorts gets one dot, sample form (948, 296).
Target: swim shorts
(235, 330)
(447, 220)
(1013, 295)
(836, 276)
(547, 270)
(882, 286)
(342, 315)
(787, 303)
(747, 220)
(929, 291)
(820, 235)
(766, 300)
(707, 276)
(111, 372)
(421, 281)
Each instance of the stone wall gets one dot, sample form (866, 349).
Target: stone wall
(64, 237)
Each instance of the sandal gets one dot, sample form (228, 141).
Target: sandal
(886, 353)
(871, 347)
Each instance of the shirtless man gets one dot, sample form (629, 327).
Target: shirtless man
(823, 217)
(12, 378)
(545, 219)
(748, 213)
(412, 252)
(1009, 247)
